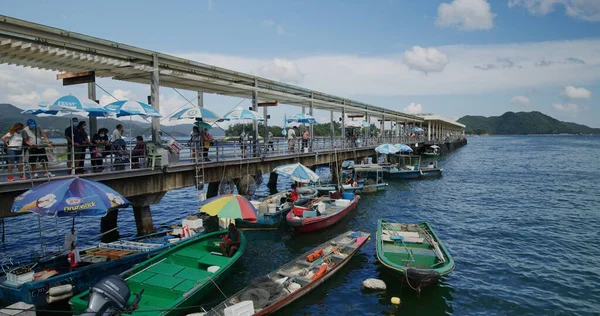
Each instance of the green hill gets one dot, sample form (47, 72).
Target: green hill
(57, 124)
(522, 123)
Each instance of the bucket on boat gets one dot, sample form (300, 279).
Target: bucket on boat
(272, 208)
(348, 196)
(299, 210)
(321, 207)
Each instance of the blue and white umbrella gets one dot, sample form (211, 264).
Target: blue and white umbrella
(240, 113)
(297, 172)
(198, 114)
(417, 130)
(387, 149)
(302, 118)
(130, 107)
(404, 148)
(43, 108)
(71, 104)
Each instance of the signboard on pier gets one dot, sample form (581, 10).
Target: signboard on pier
(72, 78)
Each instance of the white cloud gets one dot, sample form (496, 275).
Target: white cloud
(520, 99)
(577, 93)
(569, 108)
(413, 108)
(28, 99)
(425, 59)
(50, 95)
(587, 10)
(282, 70)
(119, 95)
(278, 28)
(467, 15)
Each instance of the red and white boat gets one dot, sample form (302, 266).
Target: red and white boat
(320, 214)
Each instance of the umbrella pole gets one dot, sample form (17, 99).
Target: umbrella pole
(72, 147)
(130, 149)
(41, 237)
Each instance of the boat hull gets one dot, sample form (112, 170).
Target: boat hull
(81, 279)
(307, 225)
(372, 188)
(394, 255)
(431, 173)
(269, 221)
(402, 175)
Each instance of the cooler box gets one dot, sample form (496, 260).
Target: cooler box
(272, 208)
(192, 222)
(342, 202)
(299, 210)
(244, 308)
(348, 196)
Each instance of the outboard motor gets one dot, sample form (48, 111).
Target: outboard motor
(110, 297)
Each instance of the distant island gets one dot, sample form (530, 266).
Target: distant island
(55, 125)
(522, 123)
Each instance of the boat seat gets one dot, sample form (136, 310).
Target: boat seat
(406, 240)
(185, 286)
(141, 277)
(166, 269)
(190, 253)
(400, 233)
(214, 260)
(161, 282)
(193, 274)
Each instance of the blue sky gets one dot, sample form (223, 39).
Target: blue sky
(472, 56)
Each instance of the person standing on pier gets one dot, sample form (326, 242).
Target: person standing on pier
(117, 133)
(81, 137)
(270, 135)
(305, 137)
(69, 134)
(292, 138)
(13, 140)
(34, 137)
(100, 140)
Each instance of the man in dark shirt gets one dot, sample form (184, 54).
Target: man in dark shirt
(69, 134)
(231, 241)
(80, 137)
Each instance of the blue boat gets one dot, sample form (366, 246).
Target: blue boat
(97, 263)
(271, 211)
(409, 169)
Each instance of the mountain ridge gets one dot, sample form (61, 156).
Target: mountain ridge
(522, 123)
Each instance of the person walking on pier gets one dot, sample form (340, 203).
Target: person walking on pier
(33, 137)
(69, 134)
(13, 140)
(292, 138)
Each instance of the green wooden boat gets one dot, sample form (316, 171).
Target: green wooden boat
(414, 252)
(176, 278)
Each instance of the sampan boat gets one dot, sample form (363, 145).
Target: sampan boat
(271, 210)
(293, 280)
(321, 213)
(177, 278)
(414, 252)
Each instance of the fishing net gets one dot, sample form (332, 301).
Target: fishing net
(226, 186)
(258, 296)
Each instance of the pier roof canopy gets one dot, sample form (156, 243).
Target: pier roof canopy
(33, 45)
(432, 117)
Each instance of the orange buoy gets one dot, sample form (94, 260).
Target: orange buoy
(320, 272)
(315, 255)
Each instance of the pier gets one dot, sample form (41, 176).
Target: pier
(28, 44)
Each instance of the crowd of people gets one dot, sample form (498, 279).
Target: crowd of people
(31, 141)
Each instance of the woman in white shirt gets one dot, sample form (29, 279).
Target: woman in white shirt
(13, 140)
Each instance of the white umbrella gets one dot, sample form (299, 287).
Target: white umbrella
(298, 172)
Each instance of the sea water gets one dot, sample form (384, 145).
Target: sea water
(519, 214)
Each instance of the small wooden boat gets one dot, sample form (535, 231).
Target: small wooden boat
(294, 279)
(324, 189)
(410, 168)
(413, 251)
(373, 175)
(176, 278)
(97, 263)
(272, 211)
(321, 213)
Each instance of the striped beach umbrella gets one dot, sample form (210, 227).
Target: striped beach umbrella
(198, 114)
(231, 206)
(72, 104)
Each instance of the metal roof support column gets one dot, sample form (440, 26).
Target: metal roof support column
(429, 131)
(367, 136)
(344, 121)
(154, 98)
(92, 96)
(383, 127)
(332, 127)
(266, 139)
(255, 122)
(311, 126)
(200, 99)
(304, 112)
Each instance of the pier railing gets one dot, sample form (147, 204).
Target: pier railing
(58, 159)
